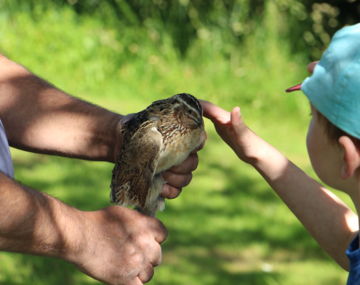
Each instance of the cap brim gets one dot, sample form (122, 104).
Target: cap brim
(297, 87)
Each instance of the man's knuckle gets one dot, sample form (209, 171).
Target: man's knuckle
(136, 259)
(174, 192)
(164, 232)
(195, 161)
(147, 274)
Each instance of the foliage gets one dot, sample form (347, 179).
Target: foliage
(318, 21)
(307, 25)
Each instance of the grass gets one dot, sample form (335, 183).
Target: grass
(227, 227)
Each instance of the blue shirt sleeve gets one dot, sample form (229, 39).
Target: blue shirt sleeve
(353, 253)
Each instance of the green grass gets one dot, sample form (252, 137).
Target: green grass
(227, 227)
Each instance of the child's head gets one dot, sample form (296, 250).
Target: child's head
(334, 93)
(334, 154)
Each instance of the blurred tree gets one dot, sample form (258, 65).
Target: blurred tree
(313, 30)
(309, 24)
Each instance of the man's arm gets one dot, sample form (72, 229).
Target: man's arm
(41, 118)
(115, 245)
(324, 215)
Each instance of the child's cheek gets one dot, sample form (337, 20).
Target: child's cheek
(310, 140)
(321, 153)
(314, 149)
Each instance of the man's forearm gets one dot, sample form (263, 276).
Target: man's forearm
(41, 118)
(34, 223)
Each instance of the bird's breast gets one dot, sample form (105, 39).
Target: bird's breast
(178, 146)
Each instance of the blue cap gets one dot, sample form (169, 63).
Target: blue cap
(334, 86)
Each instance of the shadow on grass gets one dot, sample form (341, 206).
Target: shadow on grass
(211, 271)
(41, 271)
(82, 184)
(247, 201)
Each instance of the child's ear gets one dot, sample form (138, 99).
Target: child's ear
(351, 157)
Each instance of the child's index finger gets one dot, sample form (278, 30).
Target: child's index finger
(214, 112)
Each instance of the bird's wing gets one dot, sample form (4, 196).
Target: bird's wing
(135, 168)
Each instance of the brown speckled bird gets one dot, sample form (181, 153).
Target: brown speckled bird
(154, 140)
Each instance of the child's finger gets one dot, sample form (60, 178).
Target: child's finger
(214, 112)
(236, 116)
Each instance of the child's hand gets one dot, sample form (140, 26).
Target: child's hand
(232, 130)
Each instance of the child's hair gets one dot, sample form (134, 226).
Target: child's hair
(332, 131)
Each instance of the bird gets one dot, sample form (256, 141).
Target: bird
(154, 140)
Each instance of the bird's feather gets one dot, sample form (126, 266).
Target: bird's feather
(133, 174)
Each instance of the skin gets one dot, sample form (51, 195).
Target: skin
(332, 224)
(115, 245)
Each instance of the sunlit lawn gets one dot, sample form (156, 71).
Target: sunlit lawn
(227, 227)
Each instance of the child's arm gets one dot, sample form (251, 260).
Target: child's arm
(326, 217)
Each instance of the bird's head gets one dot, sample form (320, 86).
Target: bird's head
(189, 110)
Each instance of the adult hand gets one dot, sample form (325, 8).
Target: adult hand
(179, 176)
(118, 245)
